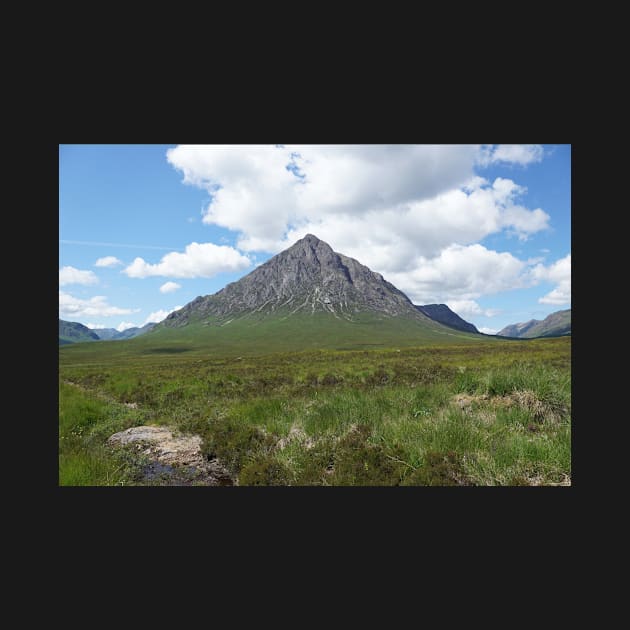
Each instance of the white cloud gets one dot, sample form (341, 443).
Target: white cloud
(525, 222)
(556, 272)
(470, 308)
(70, 275)
(200, 260)
(412, 213)
(158, 316)
(255, 194)
(125, 325)
(97, 306)
(461, 273)
(169, 287)
(522, 154)
(560, 273)
(96, 326)
(560, 295)
(487, 331)
(404, 198)
(108, 261)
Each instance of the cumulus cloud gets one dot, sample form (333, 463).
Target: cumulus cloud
(108, 261)
(522, 154)
(70, 275)
(523, 222)
(559, 273)
(158, 316)
(461, 273)
(470, 308)
(169, 287)
(254, 193)
(391, 240)
(410, 212)
(97, 306)
(200, 260)
(487, 331)
(96, 326)
(560, 295)
(426, 196)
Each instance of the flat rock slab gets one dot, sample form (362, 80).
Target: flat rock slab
(173, 452)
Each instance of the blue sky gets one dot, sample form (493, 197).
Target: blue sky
(145, 229)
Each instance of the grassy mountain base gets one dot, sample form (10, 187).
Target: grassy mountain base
(257, 334)
(488, 412)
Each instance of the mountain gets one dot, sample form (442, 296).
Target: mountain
(133, 332)
(308, 277)
(518, 330)
(105, 333)
(443, 314)
(554, 325)
(73, 332)
(307, 296)
(111, 334)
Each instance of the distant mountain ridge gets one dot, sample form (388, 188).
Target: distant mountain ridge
(443, 314)
(554, 325)
(105, 334)
(75, 332)
(128, 333)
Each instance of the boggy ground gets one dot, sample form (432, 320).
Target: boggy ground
(495, 413)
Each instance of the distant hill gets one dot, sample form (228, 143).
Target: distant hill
(111, 334)
(132, 332)
(518, 330)
(443, 314)
(73, 332)
(106, 333)
(554, 325)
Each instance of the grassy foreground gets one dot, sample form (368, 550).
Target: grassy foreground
(489, 413)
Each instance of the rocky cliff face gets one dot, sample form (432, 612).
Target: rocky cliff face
(307, 277)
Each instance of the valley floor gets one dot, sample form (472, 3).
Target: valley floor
(489, 413)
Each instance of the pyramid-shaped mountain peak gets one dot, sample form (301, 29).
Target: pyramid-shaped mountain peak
(310, 241)
(306, 278)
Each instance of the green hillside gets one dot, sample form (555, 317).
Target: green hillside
(74, 332)
(553, 325)
(257, 335)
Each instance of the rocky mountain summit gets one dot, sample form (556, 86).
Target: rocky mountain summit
(308, 277)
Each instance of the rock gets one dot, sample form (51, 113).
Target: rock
(172, 450)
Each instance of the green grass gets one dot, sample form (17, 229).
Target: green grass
(85, 423)
(492, 412)
(252, 336)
